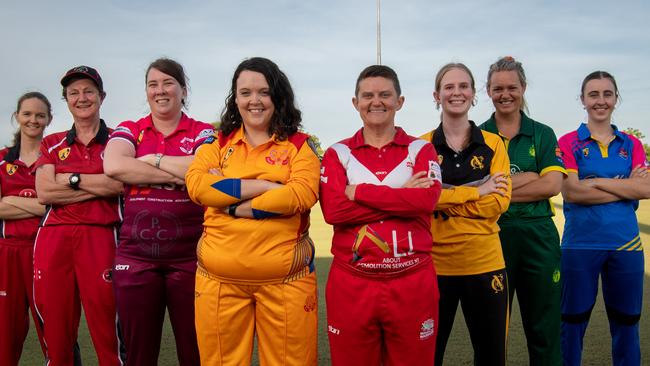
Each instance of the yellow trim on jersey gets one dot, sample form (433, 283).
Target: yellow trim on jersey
(603, 147)
(572, 170)
(553, 168)
(632, 245)
(506, 140)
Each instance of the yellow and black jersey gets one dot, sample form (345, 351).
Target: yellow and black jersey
(464, 224)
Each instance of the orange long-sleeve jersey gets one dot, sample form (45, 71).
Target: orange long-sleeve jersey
(464, 226)
(274, 246)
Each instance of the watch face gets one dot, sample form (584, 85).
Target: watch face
(74, 179)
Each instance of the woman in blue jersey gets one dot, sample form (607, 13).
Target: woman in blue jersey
(607, 175)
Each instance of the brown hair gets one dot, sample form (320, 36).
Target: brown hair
(171, 68)
(19, 104)
(598, 75)
(382, 71)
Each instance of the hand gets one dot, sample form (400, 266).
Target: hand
(349, 191)
(497, 183)
(639, 172)
(419, 180)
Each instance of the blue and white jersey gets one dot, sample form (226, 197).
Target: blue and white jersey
(608, 226)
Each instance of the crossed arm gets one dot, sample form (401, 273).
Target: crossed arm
(15, 207)
(530, 186)
(121, 164)
(54, 188)
(605, 190)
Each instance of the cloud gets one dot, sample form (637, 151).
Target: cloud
(322, 46)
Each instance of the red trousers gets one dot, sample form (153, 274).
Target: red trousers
(15, 299)
(72, 267)
(382, 321)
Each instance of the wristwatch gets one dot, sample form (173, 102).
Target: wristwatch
(74, 180)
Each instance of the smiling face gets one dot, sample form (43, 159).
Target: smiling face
(377, 101)
(83, 99)
(599, 99)
(32, 117)
(253, 99)
(164, 94)
(506, 92)
(455, 94)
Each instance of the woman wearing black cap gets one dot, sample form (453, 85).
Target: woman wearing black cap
(75, 245)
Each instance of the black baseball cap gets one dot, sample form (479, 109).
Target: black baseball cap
(83, 72)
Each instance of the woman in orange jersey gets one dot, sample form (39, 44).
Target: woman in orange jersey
(466, 247)
(258, 178)
(20, 214)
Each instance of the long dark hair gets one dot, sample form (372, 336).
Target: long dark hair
(19, 104)
(286, 118)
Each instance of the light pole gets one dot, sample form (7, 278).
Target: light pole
(378, 32)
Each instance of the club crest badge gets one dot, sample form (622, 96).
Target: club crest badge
(64, 153)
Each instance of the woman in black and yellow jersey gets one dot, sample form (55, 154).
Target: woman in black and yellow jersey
(466, 246)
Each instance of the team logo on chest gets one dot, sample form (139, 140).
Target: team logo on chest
(64, 153)
(278, 157)
(623, 153)
(11, 169)
(477, 162)
(531, 151)
(227, 155)
(140, 137)
(440, 158)
(585, 152)
(186, 145)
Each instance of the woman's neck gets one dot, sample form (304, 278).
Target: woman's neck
(166, 124)
(378, 136)
(455, 126)
(601, 131)
(256, 137)
(29, 147)
(508, 124)
(457, 131)
(86, 129)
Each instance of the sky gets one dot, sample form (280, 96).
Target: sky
(322, 46)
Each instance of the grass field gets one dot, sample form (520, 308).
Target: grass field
(597, 349)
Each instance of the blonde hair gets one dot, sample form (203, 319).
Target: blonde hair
(508, 63)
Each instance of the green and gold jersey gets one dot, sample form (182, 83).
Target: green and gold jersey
(533, 149)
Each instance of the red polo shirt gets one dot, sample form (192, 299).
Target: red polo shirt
(16, 180)
(160, 221)
(69, 155)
